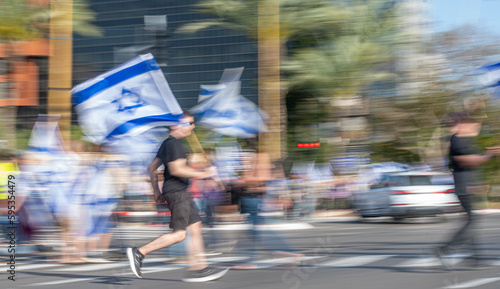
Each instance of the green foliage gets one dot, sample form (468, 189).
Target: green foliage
(311, 19)
(490, 170)
(22, 20)
(438, 80)
(23, 137)
(343, 62)
(18, 20)
(335, 49)
(82, 20)
(352, 55)
(389, 151)
(232, 14)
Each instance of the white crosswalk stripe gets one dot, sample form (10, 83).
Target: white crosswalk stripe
(23, 267)
(473, 283)
(65, 281)
(421, 262)
(267, 263)
(354, 261)
(453, 260)
(95, 267)
(171, 267)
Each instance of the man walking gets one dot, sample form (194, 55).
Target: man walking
(184, 215)
(465, 157)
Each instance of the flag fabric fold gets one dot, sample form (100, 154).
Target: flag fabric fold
(127, 100)
(222, 108)
(46, 136)
(489, 75)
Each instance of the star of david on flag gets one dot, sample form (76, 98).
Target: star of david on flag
(127, 100)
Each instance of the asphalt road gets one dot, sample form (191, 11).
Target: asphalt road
(340, 253)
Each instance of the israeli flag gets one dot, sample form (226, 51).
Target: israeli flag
(126, 100)
(222, 108)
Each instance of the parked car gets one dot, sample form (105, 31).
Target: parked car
(409, 194)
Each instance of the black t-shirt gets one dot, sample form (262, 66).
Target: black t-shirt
(463, 177)
(170, 150)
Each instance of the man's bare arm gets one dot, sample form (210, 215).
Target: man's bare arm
(470, 161)
(179, 168)
(155, 164)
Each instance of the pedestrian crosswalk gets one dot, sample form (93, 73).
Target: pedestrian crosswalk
(84, 272)
(310, 261)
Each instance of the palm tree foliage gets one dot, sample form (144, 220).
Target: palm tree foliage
(328, 48)
(314, 18)
(351, 58)
(23, 20)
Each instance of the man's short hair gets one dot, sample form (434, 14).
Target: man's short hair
(186, 114)
(457, 117)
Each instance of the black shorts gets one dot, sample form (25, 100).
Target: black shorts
(183, 211)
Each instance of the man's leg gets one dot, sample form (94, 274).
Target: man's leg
(198, 270)
(196, 247)
(135, 256)
(163, 241)
(464, 234)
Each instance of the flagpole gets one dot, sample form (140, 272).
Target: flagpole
(196, 146)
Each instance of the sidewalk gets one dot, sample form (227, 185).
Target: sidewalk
(335, 213)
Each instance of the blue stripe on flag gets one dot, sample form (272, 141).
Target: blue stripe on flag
(114, 79)
(242, 128)
(205, 92)
(131, 124)
(491, 66)
(40, 149)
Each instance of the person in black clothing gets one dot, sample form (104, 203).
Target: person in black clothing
(465, 157)
(184, 215)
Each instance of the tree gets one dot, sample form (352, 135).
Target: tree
(25, 20)
(441, 79)
(339, 71)
(273, 23)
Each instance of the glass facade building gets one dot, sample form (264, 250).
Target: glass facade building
(136, 27)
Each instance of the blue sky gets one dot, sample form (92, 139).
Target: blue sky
(448, 14)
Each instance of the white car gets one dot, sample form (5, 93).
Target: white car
(409, 194)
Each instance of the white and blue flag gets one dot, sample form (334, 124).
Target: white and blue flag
(222, 108)
(127, 100)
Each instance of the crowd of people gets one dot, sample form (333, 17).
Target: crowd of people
(76, 194)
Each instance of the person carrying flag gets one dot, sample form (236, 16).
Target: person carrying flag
(184, 215)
